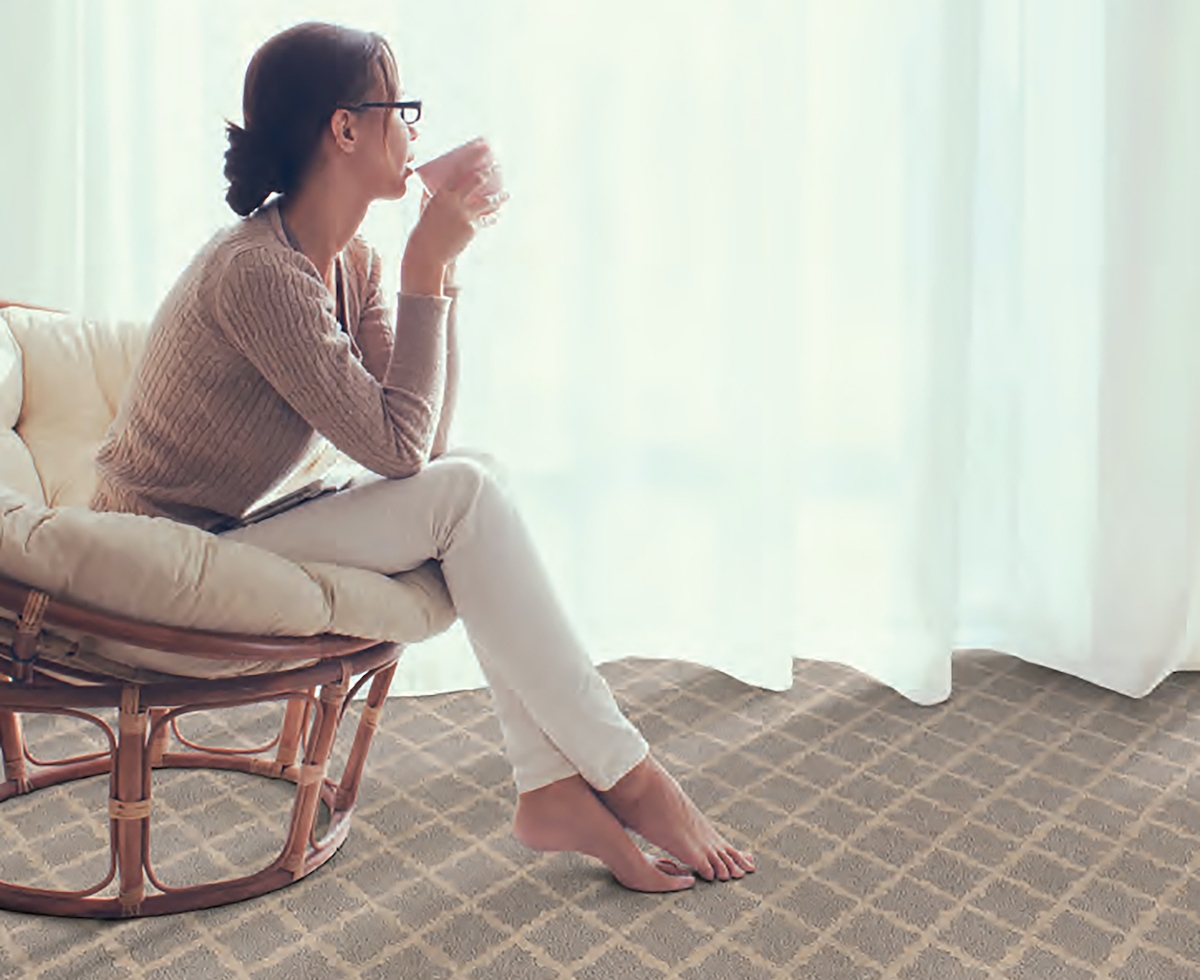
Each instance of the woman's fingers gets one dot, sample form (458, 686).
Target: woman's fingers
(491, 205)
(443, 230)
(456, 210)
(490, 202)
(467, 182)
(468, 192)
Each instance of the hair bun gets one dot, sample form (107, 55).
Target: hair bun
(250, 170)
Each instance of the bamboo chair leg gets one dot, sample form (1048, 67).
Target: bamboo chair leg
(158, 743)
(352, 775)
(311, 776)
(289, 736)
(12, 744)
(127, 807)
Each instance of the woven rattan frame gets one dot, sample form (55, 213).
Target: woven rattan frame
(317, 696)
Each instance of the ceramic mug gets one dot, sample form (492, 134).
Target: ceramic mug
(472, 156)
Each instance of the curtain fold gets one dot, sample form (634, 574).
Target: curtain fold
(840, 329)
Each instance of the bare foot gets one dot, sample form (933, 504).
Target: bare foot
(567, 816)
(648, 800)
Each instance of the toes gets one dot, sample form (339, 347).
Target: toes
(655, 880)
(719, 862)
(727, 862)
(673, 868)
(678, 877)
(655, 875)
(731, 866)
(706, 867)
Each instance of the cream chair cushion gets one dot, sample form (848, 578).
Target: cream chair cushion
(61, 379)
(17, 469)
(75, 371)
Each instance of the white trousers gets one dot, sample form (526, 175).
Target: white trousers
(556, 712)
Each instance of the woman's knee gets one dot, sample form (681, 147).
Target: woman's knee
(458, 471)
(485, 459)
(460, 478)
(459, 483)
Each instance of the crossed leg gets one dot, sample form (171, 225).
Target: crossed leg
(583, 771)
(559, 810)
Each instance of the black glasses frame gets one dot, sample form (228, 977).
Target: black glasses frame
(410, 109)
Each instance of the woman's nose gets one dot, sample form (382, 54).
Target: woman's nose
(412, 131)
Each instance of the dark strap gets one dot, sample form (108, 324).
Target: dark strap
(340, 288)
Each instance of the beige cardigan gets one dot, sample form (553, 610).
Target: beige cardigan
(246, 362)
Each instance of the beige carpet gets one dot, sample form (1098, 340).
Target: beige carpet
(1032, 828)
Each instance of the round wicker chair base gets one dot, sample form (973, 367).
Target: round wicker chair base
(316, 697)
(19, 898)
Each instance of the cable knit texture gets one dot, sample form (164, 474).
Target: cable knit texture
(246, 362)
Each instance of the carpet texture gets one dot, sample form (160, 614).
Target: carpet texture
(1034, 827)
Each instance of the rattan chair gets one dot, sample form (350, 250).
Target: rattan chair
(317, 697)
(88, 625)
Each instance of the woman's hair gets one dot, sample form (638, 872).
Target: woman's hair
(294, 83)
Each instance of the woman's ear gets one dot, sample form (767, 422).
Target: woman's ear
(342, 128)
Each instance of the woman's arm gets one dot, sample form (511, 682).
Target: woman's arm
(450, 392)
(374, 336)
(280, 317)
(374, 331)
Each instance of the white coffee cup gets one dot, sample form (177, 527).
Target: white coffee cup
(472, 156)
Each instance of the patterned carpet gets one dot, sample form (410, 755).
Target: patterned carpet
(1032, 828)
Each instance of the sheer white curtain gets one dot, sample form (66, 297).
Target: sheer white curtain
(848, 330)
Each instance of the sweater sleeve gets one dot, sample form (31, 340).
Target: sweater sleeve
(281, 318)
(373, 333)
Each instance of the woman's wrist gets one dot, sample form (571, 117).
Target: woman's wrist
(421, 278)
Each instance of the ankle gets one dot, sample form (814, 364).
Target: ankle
(551, 791)
(634, 782)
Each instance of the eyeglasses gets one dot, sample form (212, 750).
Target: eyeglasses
(410, 109)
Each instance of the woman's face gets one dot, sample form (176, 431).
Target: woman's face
(384, 147)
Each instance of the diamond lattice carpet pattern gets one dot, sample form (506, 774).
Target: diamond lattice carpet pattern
(1034, 827)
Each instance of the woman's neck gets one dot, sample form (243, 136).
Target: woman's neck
(322, 222)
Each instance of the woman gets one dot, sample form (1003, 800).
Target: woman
(278, 331)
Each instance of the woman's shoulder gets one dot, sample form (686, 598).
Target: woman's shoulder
(237, 262)
(256, 238)
(260, 241)
(238, 267)
(252, 247)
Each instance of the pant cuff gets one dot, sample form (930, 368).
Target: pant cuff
(605, 775)
(529, 778)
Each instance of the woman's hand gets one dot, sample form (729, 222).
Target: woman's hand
(491, 202)
(447, 224)
(450, 277)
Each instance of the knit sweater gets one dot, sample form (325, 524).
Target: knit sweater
(246, 363)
